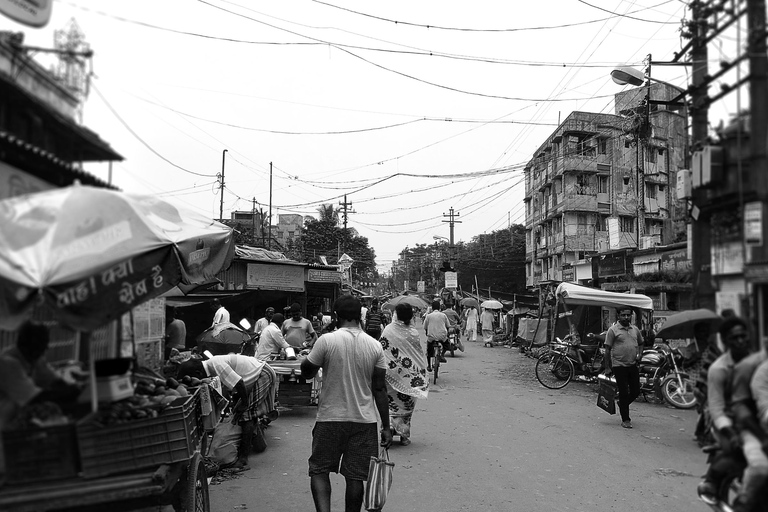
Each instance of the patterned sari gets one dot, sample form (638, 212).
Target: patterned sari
(406, 374)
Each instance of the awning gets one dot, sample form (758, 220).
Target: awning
(573, 294)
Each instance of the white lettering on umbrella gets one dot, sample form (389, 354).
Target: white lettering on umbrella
(97, 242)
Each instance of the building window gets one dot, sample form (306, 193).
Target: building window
(602, 184)
(627, 224)
(602, 146)
(625, 185)
(290, 234)
(650, 191)
(582, 184)
(652, 155)
(601, 223)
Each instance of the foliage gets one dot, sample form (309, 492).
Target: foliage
(496, 259)
(324, 237)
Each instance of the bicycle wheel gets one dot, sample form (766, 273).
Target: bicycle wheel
(436, 366)
(554, 371)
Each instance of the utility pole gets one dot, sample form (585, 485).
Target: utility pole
(700, 239)
(269, 241)
(253, 222)
(451, 221)
(344, 208)
(221, 186)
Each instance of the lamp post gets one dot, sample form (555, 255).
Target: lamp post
(626, 75)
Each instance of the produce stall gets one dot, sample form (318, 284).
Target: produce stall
(91, 260)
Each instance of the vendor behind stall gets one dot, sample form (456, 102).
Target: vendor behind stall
(253, 386)
(26, 377)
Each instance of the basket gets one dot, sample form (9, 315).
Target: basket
(173, 436)
(37, 454)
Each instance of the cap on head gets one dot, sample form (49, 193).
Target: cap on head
(278, 318)
(295, 308)
(270, 310)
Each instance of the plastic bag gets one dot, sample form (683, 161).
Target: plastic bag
(226, 442)
(379, 481)
(606, 394)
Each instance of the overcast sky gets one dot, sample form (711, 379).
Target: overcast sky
(408, 107)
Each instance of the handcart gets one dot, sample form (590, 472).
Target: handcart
(115, 469)
(293, 389)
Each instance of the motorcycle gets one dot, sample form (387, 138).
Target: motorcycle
(661, 374)
(454, 341)
(721, 497)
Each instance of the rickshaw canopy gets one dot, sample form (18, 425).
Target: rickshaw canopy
(577, 295)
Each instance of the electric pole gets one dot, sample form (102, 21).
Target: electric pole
(451, 249)
(269, 241)
(253, 222)
(345, 211)
(221, 186)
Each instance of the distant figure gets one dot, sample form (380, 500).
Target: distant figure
(471, 324)
(175, 333)
(354, 388)
(436, 326)
(406, 371)
(375, 322)
(221, 315)
(297, 330)
(486, 323)
(262, 323)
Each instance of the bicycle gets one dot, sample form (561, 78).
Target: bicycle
(563, 361)
(434, 361)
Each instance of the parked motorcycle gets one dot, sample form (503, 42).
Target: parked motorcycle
(662, 374)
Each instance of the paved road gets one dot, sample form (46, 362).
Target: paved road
(490, 437)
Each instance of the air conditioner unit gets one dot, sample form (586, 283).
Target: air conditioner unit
(683, 184)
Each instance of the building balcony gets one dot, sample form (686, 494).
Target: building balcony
(579, 202)
(579, 163)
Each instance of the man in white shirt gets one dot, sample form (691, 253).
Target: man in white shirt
(436, 326)
(262, 323)
(221, 315)
(271, 340)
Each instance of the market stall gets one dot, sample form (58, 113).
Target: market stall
(90, 260)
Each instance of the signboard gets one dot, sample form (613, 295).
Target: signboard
(675, 261)
(727, 258)
(569, 273)
(315, 275)
(612, 265)
(753, 223)
(14, 182)
(614, 236)
(420, 286)
(451, 280)
(288, 278)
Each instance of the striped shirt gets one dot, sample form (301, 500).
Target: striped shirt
(233, 367)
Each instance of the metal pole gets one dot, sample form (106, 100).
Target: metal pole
(253, 222)
(221, 186)
(269, 242)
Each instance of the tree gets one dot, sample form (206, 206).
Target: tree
(324, 237)
(328, 213)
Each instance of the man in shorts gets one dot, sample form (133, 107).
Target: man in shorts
(354, 388)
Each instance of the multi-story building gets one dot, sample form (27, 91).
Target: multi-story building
(288, 227)
(583, 184)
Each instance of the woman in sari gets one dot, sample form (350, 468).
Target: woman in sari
(406, 370)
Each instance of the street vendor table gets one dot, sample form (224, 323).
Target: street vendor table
(293, 389)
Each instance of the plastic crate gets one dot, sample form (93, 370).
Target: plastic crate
(36, 454)
(173, 436)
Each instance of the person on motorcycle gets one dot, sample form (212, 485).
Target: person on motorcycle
(455, 325)
(720, 380)
(751, 434)
(436, 327)
(710, 352)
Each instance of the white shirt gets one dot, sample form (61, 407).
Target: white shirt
(221, 316)
(270, 342)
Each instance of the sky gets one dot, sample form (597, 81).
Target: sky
(407, 108)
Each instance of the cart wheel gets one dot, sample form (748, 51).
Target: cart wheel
(195, 497)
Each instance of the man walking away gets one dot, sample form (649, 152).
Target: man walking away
(436, 326)
(623, 351)
(175, 334)
(354, 387)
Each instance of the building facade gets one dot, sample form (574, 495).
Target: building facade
(583, 184)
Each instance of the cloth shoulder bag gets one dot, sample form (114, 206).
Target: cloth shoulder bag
(379, 481)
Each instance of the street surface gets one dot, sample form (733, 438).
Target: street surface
(490, 437)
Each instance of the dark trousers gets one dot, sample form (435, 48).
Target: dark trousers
(628, 384)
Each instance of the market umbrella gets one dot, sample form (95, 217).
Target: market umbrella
(223, 338)
(680, 325)
(411, 300)
(91, 254)
(469, 302)
(491, 304)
